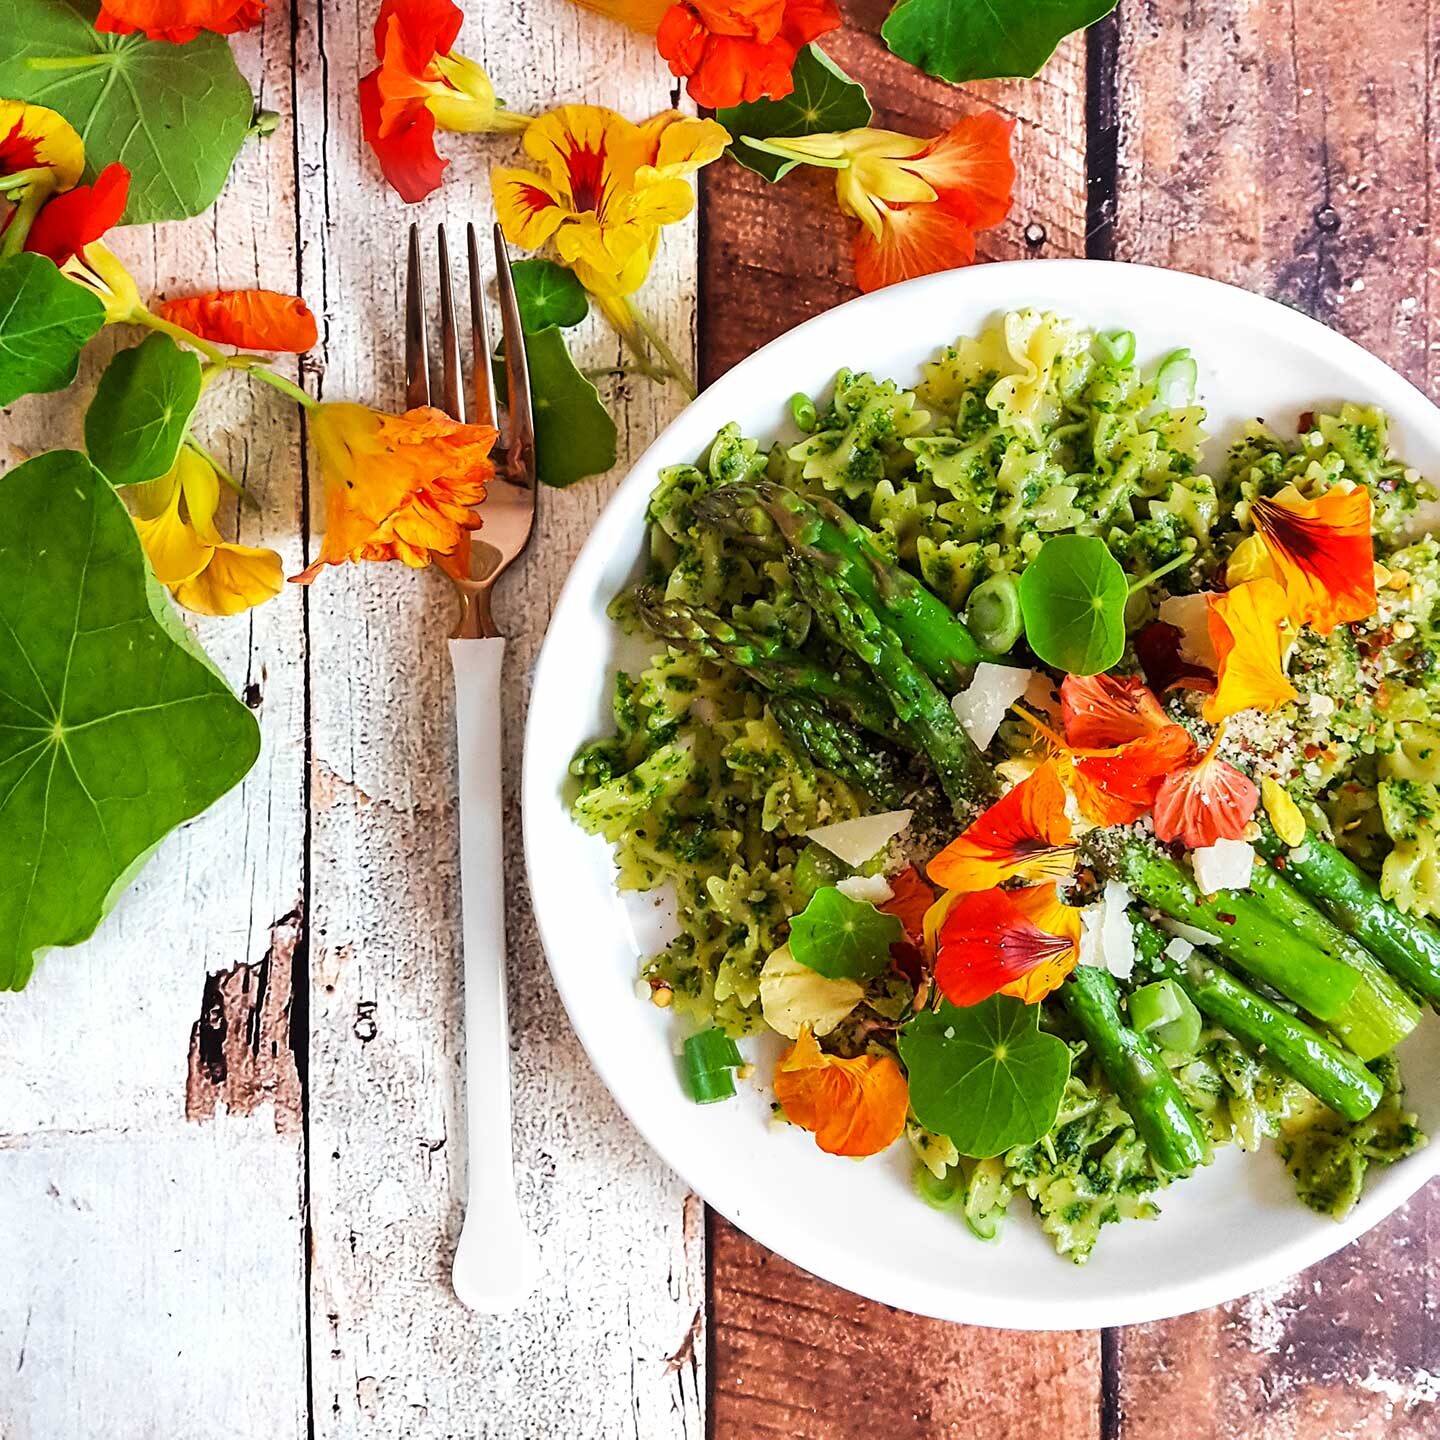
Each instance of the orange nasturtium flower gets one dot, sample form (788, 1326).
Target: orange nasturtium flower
(1321, 552)
(730, 51)
(248, 319)
(1118, 786)
(178, 20)
(1098, 711)
(910, 900)
(1024, 833)
(1010, 942)
(40, 152)
(1205, 802)
(399, 487)
(204, 572)
(421, 85)
(852, 1107)
(919, 202)
(1246, 630)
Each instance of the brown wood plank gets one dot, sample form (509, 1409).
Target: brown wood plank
(790, 1354)
(1288, 147)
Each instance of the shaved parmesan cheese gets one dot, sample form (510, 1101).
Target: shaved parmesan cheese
(1190, 615)
(981, 707)
(863, 889)
(856, 841)
(1225, 865)
(1107, 940)
(1192, 933)
(1179, 950)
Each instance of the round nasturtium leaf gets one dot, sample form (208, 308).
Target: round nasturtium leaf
(985, 1075)
(841, 938)
(174, 115)
(141, 410)
(114, 727)
(1072, 595)
(45, 321)
(548, 294)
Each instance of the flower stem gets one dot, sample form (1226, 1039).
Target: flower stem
(180, 335)
(246, 498)
(284, 386)
(1145, 581)
(21, 219)
(668, 358)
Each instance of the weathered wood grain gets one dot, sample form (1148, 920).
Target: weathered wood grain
(793, 1356)
(606, 1347)
(1290, 148)
(153, 1269)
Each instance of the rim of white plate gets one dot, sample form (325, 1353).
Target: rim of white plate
(682, 440)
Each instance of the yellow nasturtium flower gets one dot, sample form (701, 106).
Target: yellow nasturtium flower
(603, 188)
(175, 518)
(40, 151)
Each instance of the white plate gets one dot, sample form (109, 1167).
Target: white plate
(1231, 1229)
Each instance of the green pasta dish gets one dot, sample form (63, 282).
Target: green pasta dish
(1068, 809)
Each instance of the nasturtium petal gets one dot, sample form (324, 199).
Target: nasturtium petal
(174, 115)
(548, 294)
(114, 727)
(142, 407)
(793, 995)
(825, 99)
(841, 938)
(45, 321)
(962, 40)
(1072, 596)
(984, 1075)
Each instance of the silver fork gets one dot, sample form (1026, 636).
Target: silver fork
(496, 1264)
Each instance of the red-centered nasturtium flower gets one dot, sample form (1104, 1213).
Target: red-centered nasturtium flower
(399, 487)
(1099, 711)
(1322, 554)
(68, 223)
(249, 319)
(178, 20)
(919, 202)
(40, 151)
(1011, 942)
(1119, 786)
(852, 1107)
(1205, 802)
(1248, 630)
(1024, 833)
(421, 85)
(731, 51)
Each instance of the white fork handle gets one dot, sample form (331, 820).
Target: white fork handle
(495, 1263)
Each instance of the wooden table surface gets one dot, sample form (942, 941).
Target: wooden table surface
(229, 1124)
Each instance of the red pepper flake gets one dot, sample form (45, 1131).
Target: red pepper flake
(1225, 919)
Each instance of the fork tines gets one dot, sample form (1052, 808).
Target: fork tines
(515, 457)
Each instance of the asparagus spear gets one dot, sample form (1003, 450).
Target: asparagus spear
(772, 517)
(1363, 1006)
(1163, 1118)
(1333, 1075)
(840, 750)
(1407, 945)
(765, 660)
(963, 772)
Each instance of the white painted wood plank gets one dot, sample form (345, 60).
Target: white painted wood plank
(153, 1269)
(393, 1353)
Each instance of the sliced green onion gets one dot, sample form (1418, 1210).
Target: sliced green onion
(816, 868)
(1117, 346)
(1177, 378)
(993, 615)
(1167, 1014)
(940, 1192)
(710, 1059)
(803, 412)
